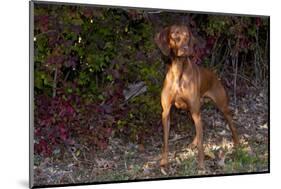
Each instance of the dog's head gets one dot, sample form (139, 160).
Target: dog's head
(176, 40)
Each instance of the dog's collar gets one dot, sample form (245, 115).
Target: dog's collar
(181, 58)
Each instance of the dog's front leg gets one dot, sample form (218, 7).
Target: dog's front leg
(166, 106)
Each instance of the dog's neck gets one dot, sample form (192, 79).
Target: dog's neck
(180, 65)
(180, 58)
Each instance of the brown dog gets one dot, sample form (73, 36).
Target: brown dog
(185, 84)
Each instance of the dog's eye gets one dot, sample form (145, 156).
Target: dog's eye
(185, 34)
(173, 35)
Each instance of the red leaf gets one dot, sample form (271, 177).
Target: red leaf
(63, 132)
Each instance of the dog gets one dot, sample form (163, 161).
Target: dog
(185, 84)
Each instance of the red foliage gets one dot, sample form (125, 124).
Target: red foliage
(42, 21)
(57, 121)
(43, 148)
(53, 117)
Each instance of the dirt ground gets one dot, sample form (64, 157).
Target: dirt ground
(123, 160)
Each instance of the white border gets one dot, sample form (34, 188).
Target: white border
(14, 83)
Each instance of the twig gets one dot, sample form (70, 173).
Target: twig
(214, 54)
(134, 90)
(71, 178)
(82, 161)
(66, 76)
(257, 59)
(125, 163)
(246, 79)
(178, 138)
(74, 157)
(55, 82)
(235, 78)
(47, 32)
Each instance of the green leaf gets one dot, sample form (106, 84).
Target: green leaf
(77, 21)
(109, 77)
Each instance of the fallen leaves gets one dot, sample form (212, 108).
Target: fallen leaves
(221, 158)
(123, 160)
(105, 164)
(264, 126)
(210, 154)
(147, 169)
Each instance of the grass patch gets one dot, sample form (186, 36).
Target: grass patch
(244, 160)
(188, 167)
(118, 175)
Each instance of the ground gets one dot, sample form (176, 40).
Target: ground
(123, 160)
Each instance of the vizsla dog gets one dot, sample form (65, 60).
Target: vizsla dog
(185, 84)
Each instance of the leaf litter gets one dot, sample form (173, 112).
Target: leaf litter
(124, 160)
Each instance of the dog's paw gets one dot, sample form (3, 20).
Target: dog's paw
(192, 146)
(163, 162)
(201, 168)
(202, 171)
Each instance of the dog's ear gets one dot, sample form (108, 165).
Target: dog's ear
(195, 43)
(193, 40)
(162, 41)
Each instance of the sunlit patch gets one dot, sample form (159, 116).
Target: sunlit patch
(226, 144)
(264, 126)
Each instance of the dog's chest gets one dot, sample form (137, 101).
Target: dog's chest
(182, 94)
(180, 83)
